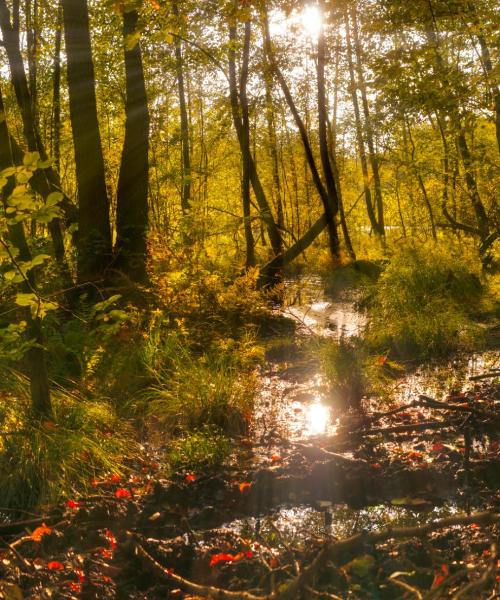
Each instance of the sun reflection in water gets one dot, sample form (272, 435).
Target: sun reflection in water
(317, 418)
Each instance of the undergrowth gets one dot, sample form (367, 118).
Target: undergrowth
(423, 305)
(43, 460)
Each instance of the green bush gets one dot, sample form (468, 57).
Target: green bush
(207, 447)
(41, 461)
(422, 304)
(191, 390)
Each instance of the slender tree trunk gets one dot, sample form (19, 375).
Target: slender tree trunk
(132, 197)
(186, 154)
(56, 93)
(359, 133)
(35, 356)
(245, 121)
(260, 196)
(420, 181)
(332, 206)
(368, 126)
(94, 252)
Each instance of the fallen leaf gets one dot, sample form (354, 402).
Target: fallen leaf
(190, 477)
(122, 493)
(276, 458)
(54, 565)
(72, 503)
(115, 478)
(39, 532)
(74, 587)
(244, 486)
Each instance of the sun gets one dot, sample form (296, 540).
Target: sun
(311, 20)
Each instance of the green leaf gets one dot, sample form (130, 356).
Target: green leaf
(54, 198)
(26, 299)
(40, 259)
(30, 159)
(131, 40)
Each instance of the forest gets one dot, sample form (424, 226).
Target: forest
(249, 299)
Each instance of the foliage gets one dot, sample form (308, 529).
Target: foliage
(42, 460)
(422, 305)
(193, 390)
(206, 447)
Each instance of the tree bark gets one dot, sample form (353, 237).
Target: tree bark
(368, 125)
(94, 252)
(132, 195)
(331, 207)
(260, 196)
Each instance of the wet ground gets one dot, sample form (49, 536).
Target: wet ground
(306, 475)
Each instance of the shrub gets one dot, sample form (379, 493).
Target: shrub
(422, 304)
(191, 390)
(40, 461)
(207, 447)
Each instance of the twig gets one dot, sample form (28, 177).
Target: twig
(406, 586)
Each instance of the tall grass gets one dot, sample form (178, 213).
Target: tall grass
(193, 390)
(422, 305)
(41, 461)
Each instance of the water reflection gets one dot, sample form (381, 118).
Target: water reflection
(317, 418)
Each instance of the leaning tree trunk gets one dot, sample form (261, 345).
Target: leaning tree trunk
(94, 232)
(132, 195)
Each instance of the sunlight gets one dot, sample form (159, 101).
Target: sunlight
(311, 20)
(317, 416)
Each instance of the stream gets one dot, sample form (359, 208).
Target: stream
(293, 403)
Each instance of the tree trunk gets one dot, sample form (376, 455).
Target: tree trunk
(331, 207)
(359, 133)
(132, 195)
(260, 196)
(368, 126)
(56, 93)
(94, 252)
(185, 146)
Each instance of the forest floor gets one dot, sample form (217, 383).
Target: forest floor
(397, 500)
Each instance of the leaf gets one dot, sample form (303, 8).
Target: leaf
(40, 532)
(39, 259)
(55, 565)
(409, 501)
(72, 503)
(190, 477)
(361, 567)
(26, 299)
(244, 486)
(30, 159)
(54, 198)
(122, 493)
(227, 557)
(110, 536)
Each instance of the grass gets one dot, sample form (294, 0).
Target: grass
(422, 305)
(207, 447)
(43, 461)
(192, 391)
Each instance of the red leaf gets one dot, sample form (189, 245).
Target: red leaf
(105, 553)
(115, 478)
(39, 532)
(376, 466)
(80, 574)
(72, 503)
(438, 447)
(475, 526)
(221, 557)
(244, 486)
(122, 493)
(276, 458)
(381, 360)
(74, 587)
(274, 563)
(54, 565)
(109, 535)
(190, 477)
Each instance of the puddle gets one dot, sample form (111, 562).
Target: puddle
(294, 400)
(302, 522)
